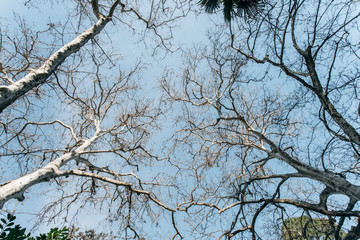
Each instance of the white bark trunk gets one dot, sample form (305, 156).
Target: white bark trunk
(15, 189)
(9, 94)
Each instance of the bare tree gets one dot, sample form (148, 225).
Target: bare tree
(73, 117)
(106, 123)
(270, 128)
(17, 86)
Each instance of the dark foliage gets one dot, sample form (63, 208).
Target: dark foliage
(247, 9)
(10, 231)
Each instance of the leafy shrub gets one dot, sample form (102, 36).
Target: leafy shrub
(10, 231)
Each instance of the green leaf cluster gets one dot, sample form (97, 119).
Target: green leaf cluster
(10, 231)
(305, 227)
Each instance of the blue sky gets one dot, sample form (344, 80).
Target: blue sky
(191, 31)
